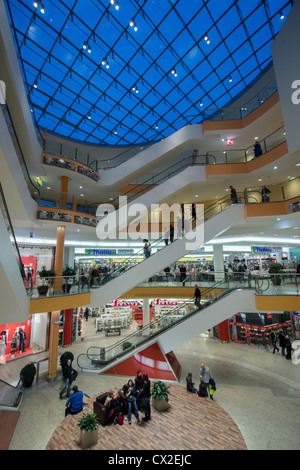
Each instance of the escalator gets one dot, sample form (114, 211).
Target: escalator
(10, 396)
(129, 275)
(152, 156)
(15, 309)
(175, 328)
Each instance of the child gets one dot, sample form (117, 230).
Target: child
(212, 388)
(190, 384)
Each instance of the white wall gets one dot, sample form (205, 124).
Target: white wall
(285, 52)
(16, 97)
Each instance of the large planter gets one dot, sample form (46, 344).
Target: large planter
(42, 290)
(88, 438)
(27, 382)
(160, 405)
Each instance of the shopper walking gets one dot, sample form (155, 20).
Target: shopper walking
(69, 375)
(233, 195)
(197, 296)
(273, 335)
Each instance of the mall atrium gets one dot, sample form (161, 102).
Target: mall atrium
(150, 147)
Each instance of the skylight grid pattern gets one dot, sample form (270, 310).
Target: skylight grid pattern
(138, 73)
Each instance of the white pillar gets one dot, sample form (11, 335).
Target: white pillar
(279, 257)
(218, 262)
(146, 315)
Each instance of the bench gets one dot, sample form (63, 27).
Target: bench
(112, 329)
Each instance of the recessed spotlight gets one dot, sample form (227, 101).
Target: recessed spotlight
(81, 194)
(260, 179)
(278, 218)
(275, 167)
(80, 187)
(196, 195)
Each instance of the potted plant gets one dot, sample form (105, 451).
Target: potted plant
(275, 268)
(160, 396)
(68, 273)
(44, 274)
(27, 375)
(88, 425)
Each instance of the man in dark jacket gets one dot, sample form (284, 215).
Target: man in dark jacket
(197, 295)
(233, 195)
(282, 343)
(69, 375)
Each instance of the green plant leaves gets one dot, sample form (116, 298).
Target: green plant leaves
(88, 422)
(160, 391)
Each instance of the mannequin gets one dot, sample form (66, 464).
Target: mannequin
(3, 342)
(22, 338)
(14, 343)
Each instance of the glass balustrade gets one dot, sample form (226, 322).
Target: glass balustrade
(54, 286)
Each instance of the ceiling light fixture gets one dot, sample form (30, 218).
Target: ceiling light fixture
(281, 15)
(230, 79)
(132, 23)
(37, 3)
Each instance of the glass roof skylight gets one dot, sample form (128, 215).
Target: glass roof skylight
(137, 73)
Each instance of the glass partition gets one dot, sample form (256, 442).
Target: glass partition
(10, 230)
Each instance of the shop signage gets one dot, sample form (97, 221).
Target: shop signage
(265, 249)
(125, 252)
(123, 303)
(100, 252)
(200, 250)
(165, 302)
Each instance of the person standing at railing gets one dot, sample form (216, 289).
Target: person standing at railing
(147, 248)
(265, 194)
(233, 195)
(257, 150)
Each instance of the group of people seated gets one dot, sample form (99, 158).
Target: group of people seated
(133, 396)
(205, 389)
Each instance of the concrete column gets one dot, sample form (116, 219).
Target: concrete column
(146, 314)
(218, 262)
(63, 195)
(59, 256)
(53, 345)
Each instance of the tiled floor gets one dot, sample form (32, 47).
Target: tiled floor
(259, 390)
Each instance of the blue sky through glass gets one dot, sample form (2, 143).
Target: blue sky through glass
(138, 82)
